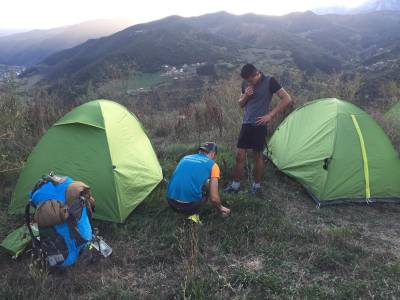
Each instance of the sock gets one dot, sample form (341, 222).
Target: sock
(256, 185)
(235, 185)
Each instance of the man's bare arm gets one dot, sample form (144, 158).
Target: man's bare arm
(214, 193)
(215, 198)
(242, 100)
(245, 97)
(285, 101)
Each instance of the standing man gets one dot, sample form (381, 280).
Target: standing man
(257, 92)
(194, 175)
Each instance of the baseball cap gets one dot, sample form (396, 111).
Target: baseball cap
(209, 147)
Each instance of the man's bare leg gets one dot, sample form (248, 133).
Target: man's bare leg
(240, 164)
(259, 167)
(258, 172)
(238, 173)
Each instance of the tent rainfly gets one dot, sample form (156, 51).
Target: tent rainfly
(102, 144)
(338, 153)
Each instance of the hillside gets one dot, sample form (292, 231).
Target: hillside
(180, 78)
(29, 48)
(309, 42)
(281, 247)
(145, 47)
(278, 247)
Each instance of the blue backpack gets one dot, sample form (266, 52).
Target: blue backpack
(60, 244)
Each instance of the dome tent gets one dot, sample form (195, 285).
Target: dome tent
(102, 144)
(338, 153)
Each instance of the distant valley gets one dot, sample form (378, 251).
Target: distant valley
(29, 48)
(368, 44)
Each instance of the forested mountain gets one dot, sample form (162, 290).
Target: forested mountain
(29, 48)
(310, 42)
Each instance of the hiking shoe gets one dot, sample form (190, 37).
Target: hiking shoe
(257, 192)
(195, 219)
(231, 190)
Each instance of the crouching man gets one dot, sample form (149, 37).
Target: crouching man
(187, 189)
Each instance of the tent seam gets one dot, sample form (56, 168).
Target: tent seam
(364, 157)
(81, 123)
(333, 146)
(111, 160)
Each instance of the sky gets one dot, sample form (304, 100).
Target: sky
(41, 14)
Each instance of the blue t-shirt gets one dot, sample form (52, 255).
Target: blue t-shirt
(189, 177)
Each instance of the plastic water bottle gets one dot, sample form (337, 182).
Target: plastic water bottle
(101, 246)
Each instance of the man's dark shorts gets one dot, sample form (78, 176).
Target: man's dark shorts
(252, 137)
(187, 208)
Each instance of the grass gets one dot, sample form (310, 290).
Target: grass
(280, 247)
(143, 81)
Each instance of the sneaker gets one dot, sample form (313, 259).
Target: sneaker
(195, 219)
(257, 192)
(231, 190)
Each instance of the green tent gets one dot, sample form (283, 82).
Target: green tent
(338, 153)
(102, 144)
